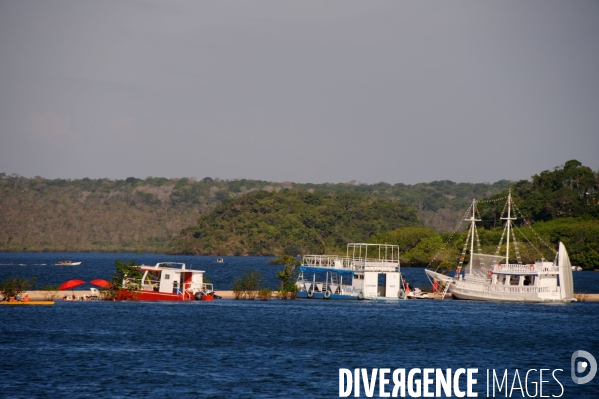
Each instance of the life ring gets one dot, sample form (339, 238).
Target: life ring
(401, 294)
(360, 295)
(499, 266)
(532, 268)
(327, 294)
(310, 293)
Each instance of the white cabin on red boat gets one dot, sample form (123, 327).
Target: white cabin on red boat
(170, 281)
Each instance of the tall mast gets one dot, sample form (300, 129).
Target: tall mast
(472, 221)
(509, 225)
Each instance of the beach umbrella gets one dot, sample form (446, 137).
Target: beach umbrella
(100, 283)
(71, 284)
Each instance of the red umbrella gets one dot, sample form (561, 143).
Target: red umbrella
(100, 283)
(70, 284)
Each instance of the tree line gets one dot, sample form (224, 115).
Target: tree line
(146, 215)
(253, 217)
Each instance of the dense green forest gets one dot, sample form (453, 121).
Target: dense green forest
(38, 214)
(292, 222)
(252, 217)
(561, 204)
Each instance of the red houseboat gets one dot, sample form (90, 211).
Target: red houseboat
(167, 281)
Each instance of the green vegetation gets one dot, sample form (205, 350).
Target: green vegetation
(417, 245)
(265, 294)
(124, 271)
(248, 285)
(253, 217)
(292, 222)
(145, 215)
(561, 205)
(14, 286)
(287, 276)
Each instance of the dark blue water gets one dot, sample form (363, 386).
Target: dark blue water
(273, 349)
(101, 265)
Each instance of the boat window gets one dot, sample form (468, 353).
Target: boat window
(529, 280)
(167, 276)
(500, 279)
(514, 280)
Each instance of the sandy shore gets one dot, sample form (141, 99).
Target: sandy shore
(58, 295)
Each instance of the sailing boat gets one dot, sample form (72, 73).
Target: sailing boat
(493, 278)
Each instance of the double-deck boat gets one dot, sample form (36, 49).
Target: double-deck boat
(167, 281)
(494, 278)
(368, 271)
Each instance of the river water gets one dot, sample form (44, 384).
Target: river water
(276, 348)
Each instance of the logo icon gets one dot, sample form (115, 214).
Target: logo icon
(582, 365)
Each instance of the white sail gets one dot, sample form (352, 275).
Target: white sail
(565, 273)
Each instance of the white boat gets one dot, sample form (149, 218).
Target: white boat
(368, 271)
(220, 260)
(67, 263)
(416, 293)
(576, 268)
(494, 278)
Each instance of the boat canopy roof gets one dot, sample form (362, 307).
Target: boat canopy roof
(169, 266)
(325, 270)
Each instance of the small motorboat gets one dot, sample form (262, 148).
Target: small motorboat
(206, 296)
(220, 260)
(416, 293)
(67, 263)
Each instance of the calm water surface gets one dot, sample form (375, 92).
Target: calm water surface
(272, 349)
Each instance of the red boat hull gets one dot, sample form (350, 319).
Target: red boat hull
(152, 296)
(159, 296)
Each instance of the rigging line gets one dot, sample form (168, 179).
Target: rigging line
(529, 225)
(503, 233)
(463, 256)
(516, 248)
(501, 241)
(493, 200)
(450, 237)
(477, 241)
(531, 244)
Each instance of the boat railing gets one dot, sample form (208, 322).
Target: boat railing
(327, 261)
(477, 277)
(523, 289)
(374, 264)
(530, 268)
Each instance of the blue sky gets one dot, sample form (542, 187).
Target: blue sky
(311, 91)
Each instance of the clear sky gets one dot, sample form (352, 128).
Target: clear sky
(302, 91)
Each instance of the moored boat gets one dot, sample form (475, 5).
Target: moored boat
(494, 278)
(368, 271)
(167, 281)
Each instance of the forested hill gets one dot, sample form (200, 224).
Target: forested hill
(38, 214)
(292, 222)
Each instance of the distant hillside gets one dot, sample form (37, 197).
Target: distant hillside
(38, 214)
(292, 222)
